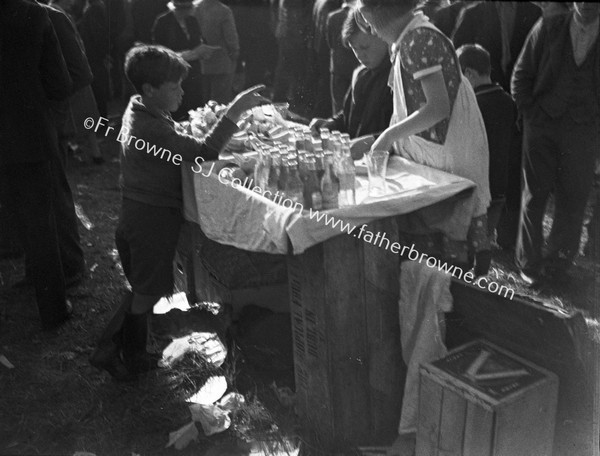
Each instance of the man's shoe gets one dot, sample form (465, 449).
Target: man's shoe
(107, 355)
(531, 279)
(135, 338)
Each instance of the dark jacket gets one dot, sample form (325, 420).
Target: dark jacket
(94, 29)
(167, 32)
(538, 68)
(32, 72)
(499, 114)
(368, 105)
(481, 24)
(72, 49)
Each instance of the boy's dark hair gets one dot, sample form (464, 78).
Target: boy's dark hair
(154, 65)
(350, 28)
(475, 57)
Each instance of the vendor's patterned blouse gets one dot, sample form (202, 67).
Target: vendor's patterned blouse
(424, 51)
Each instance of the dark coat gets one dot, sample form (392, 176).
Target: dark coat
(480, 24)
(539, 65)
(32, 72)
(72, 49)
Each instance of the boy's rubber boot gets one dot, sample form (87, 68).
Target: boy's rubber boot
(135, 338)
(107, 355)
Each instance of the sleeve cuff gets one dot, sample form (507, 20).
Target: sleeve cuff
(427, 71)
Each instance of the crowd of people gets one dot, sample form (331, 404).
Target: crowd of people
(505, 94)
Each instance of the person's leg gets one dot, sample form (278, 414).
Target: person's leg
(150, 256)
(66, 225)
(30, 190)
(575, 179)
(540, 150)
(508, 225)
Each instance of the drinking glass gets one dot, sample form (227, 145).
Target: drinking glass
(376, 167)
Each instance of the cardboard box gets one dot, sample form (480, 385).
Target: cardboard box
(481, 400)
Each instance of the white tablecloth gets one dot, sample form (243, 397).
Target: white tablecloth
(237, 216)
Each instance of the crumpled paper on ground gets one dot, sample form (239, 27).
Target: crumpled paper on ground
(216, 418)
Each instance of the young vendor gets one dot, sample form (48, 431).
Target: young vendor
(151, 217)
(368, 103)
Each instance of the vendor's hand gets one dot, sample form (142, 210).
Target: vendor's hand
(382, 143)
(318, 123)
(248, 99)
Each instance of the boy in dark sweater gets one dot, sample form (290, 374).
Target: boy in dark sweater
(368, 103)
(152, 149)
(499, 114)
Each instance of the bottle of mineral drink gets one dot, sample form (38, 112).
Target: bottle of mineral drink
(347, 176)
(261, 169)
(294, 189)
(274, 171)
(308, 142)
(319, 158)
(312, 188)
(325, 136)
(284, 172)
(330, 184)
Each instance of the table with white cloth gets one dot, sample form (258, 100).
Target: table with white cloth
(343, 286)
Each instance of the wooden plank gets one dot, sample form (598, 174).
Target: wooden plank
(560, 343)
(311, 361)
(387, 372)
(428, 425)
(479, 426)
(525, 427)
(346, 335)
(452, 424)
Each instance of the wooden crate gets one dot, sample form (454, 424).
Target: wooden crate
(481, 400)
(271, 294)
(347, 356)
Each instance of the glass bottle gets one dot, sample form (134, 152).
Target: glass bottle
(330, 185)
(312, 188)
(347, 176)
(274, 171)
(294, 189)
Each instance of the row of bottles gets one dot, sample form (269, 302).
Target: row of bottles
(316, 172)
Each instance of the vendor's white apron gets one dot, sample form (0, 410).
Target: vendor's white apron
(465, 151)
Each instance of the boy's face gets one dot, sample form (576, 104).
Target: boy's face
(167, 97)
(369, 49)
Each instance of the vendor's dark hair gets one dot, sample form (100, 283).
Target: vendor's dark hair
(350, 28)
(476, 57)
(154, 65)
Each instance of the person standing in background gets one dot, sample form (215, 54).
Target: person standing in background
(33, 72)
(501, 28)
(342, 60)
(293, 33)
(556, 85)
(179, 30)
(217, 26)
(94, 31)
(320, 60)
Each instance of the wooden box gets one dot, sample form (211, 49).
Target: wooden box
(481, 400)
(347, 357)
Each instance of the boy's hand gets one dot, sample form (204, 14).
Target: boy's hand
(248, 99)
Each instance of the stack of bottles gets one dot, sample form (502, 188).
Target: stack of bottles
(316, 172)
